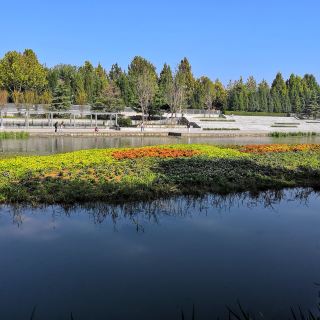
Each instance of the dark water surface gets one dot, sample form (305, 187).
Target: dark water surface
(59, 144)
(149, 261)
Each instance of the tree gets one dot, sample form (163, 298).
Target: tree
(22, 72)
(263, 94)
(165, 87)
(45, 98)
(3, 97)
(143, 79)
(187, 80)
(110, 99)
(88, 75)
(220, 99)
(17, 97)
(29, 98)
(80, 93)
(295, 92)
(178, 94)
(313, 107)
(280, 95)
(66, 73)
(208, 94)
(251, 86)
(61, 97)
(101, 81)
(115, 73)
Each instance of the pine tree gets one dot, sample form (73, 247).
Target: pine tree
(312, 108)
(61, 100)
(187, 80)
(279, 94)
(164, 95)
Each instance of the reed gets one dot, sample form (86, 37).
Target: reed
(14, 135)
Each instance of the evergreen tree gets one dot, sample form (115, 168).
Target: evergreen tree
(61, 100)
(263, 96)
(279, 94)
(164, 96)
(220, 99)
(115, 73)
(312, 108)
(187, 80)
(252, 96)
(88, 74)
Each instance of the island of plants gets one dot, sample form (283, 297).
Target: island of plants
(135, 174)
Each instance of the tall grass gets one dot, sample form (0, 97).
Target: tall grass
(278, 134)
(14, 135)
(256, 113)
(210, 129)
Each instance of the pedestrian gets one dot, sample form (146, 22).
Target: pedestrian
(61, 125)
(56, 126)
(96, 130)
(142, 126)
(188, 126)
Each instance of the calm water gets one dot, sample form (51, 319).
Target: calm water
(48, 145)
(149, 261)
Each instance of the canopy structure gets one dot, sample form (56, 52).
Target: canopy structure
(72, 115)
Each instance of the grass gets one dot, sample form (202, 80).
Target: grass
(283, 126)
(288, 123)
(14, 135)
(261, 114)
(217, 120)
(238, 313)
(208, 129)
(278, 134)
(147, 174)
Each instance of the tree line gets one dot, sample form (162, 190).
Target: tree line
(25, 81)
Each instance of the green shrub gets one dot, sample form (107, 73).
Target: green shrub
(125, 122)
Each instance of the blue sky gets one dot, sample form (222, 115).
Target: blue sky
(222, 39)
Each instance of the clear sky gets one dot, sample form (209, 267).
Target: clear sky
(221, 39)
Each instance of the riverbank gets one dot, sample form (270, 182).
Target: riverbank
(135, 174)
(152, 132)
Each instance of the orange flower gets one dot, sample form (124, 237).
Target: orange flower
(154, 152)
(265, 148)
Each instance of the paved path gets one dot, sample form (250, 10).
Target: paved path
(247, 125)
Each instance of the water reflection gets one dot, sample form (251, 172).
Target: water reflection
(181, 206)
(60, 144)
(152, 260)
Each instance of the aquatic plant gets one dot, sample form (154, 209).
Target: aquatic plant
(14, 135)
(278, 134)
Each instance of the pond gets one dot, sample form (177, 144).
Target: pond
(152, 260)
(59, 144)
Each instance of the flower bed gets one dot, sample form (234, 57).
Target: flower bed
(265, 148)
(154, 152)
(121, 175)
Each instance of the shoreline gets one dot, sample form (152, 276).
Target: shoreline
(152, 133)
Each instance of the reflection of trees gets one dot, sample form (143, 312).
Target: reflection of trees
(182, 206)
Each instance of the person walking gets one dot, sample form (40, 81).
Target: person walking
(61, 125)
(56, 127)
(142, 126)
(188, 126)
